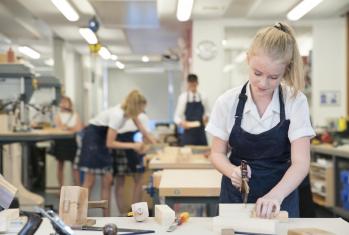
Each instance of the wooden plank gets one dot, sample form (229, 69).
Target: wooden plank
(195, 182)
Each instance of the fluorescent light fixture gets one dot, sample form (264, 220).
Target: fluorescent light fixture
(240, 57)
(66, 9)
(119, 65)
(29, 52)
(114, 57)
(88, 35)
(104, 53)
(145, 59)
(301, 9)
(49, 62)
(84, 6)
(184, 8)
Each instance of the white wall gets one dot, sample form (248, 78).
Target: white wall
(329, 67)
(210, 72)
(154, 86)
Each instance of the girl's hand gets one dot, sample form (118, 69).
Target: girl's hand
(138, 147)
(235, 176)
(267, 207)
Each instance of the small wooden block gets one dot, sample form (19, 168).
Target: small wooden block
(227, 231)
(308, 231)
(164, 215)
(73, 205)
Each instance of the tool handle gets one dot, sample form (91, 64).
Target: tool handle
(244, 172)
(98, 204)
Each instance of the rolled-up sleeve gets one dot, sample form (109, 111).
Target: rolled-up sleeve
(300, 125)
(217, 123)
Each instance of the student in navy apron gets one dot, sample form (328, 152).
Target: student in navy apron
(129, 162)
(65, 149)
(266, 123)
(100, 136)
(192, 107)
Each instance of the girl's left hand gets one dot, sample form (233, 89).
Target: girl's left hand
(267, 207)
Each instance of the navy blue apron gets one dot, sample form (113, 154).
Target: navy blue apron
(133, 158)
(194, 111)
(94, 151)
(267, 153)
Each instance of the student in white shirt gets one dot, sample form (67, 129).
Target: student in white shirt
(129, 162)
(65, 149)
(100, 136)
(266, 123)
(192, 107)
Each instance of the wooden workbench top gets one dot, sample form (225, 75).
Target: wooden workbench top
(195, 161)
(203, 226)
(190, 182)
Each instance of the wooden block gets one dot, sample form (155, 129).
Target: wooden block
(193, 124)
(73, 205)
(246, 225)
(308, 231)
(7, 192)
(164, 215)
(227, 231)
(282, 216)
(240, 210)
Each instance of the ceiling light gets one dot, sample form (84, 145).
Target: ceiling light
(66, 9)
(119, 65)
(224, 42)
(88, 35)
(184, 8)
(301, 9)
(240, 57)
(145, 59)
(114, 57)
(104, 53)
(49, 62)
(29, 52)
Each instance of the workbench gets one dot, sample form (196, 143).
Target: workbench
(16, 155)
(203, 226)
(191, 186)
(193, 162)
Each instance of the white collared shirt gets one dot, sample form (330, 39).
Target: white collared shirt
(182, 102)
(222, 118)
(113, 117)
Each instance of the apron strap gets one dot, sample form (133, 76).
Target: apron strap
(241, 105)
(282, 105)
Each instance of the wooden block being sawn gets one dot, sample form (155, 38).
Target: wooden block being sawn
(308, 231)
(239, 217)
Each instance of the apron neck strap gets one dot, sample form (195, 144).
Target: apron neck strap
(242, 101)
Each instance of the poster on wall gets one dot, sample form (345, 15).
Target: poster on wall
(330, 98)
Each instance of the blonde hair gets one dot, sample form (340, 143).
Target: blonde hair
(134, 104)
(279, 42)
(70, 103)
